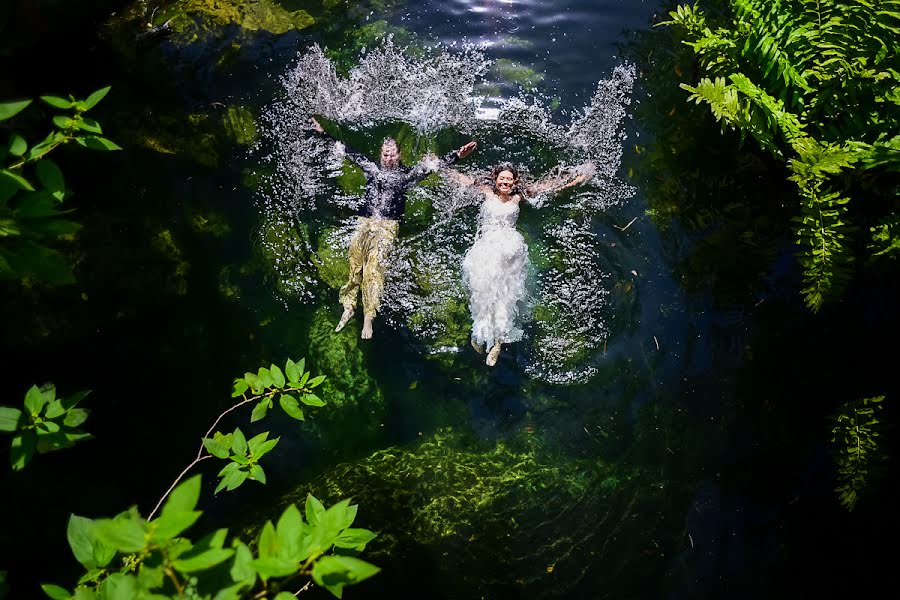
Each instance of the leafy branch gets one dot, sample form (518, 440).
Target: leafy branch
(30, 212)
(47, 423)
(157, 561)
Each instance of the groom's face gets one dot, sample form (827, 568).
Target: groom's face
(390, 155)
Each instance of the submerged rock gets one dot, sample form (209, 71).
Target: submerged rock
(252, 15)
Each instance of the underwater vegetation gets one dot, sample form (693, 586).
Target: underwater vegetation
(533, 515)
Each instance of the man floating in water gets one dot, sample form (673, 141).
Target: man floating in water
(379, 220)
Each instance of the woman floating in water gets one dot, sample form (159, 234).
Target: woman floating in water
(494, 267)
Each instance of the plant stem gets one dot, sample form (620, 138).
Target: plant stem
(200, 455)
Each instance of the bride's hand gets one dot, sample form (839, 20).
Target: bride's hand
(464, 151)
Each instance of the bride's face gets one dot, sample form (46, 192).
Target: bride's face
(505, 182)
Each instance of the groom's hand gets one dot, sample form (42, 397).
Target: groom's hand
(315, 125)
(466, 150)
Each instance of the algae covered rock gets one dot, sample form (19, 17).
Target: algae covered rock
(239, 125)
(331, 259)
(285, 247)
(252, 15)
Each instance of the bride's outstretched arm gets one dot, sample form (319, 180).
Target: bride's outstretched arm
(555, 183)
(457, 177)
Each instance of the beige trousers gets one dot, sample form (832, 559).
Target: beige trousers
(369, 248)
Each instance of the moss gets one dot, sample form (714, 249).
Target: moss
(191, 136)
(226, 287)
(239, 125)
(176, 280)
(210, 223)
(285, 249)
(331, 259)
(251, 15)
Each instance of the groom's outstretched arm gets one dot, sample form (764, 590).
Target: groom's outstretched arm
(359, 159)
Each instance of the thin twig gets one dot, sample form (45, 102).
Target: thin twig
(627, 226)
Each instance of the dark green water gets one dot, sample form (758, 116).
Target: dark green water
(694, 464)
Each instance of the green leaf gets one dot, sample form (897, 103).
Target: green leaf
(54, 409)
(51, 177)
(232, 480)
(304, 379)
(265, 447)
(290, 405)
(63, 122)
(268, 542)
(240, 386)
(16, 179)
(291, 371)
(265, 377)
(55, 592)
(354, 538)
(125, 533)
(11, 109)
(72, 400)
(10, 418)
(241, 571)
(75, 417)
(316, 381)
(168, 526)
(86, 124)
(151, 577)
(314, 509)
(311, 400)
(22, 449)
(17, 145)
(239, 442)
(184, 497)
(277, 375)
(290, 532)
(92, 100)
(260, 410)
(57, 102)
(285, 596)
(216, 447)
(203, 561)
(95, 142)
(254, 442)
(274, 567)
(257, 474)
(335, 572)
(88, 549)
(254, 381)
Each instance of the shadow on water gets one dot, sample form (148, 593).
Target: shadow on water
(693, 462)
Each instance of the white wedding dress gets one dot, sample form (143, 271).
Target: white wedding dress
(494, 271)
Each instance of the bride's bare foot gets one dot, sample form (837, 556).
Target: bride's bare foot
(479, 348)
(367, 328)
(493, 355)
(348, 313)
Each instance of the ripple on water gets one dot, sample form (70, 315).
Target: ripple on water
(434, 91)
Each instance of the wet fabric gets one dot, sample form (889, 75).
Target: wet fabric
(369, 249)
(385, 194)
(494, 271)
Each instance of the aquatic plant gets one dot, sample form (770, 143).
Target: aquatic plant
(513, 502)
(815, 85)
(30, 217)
(48, 423)
(857, 439)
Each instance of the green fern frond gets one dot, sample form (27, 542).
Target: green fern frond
(823, 233)
(859, 455)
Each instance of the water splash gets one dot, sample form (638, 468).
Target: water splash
(434, 91)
